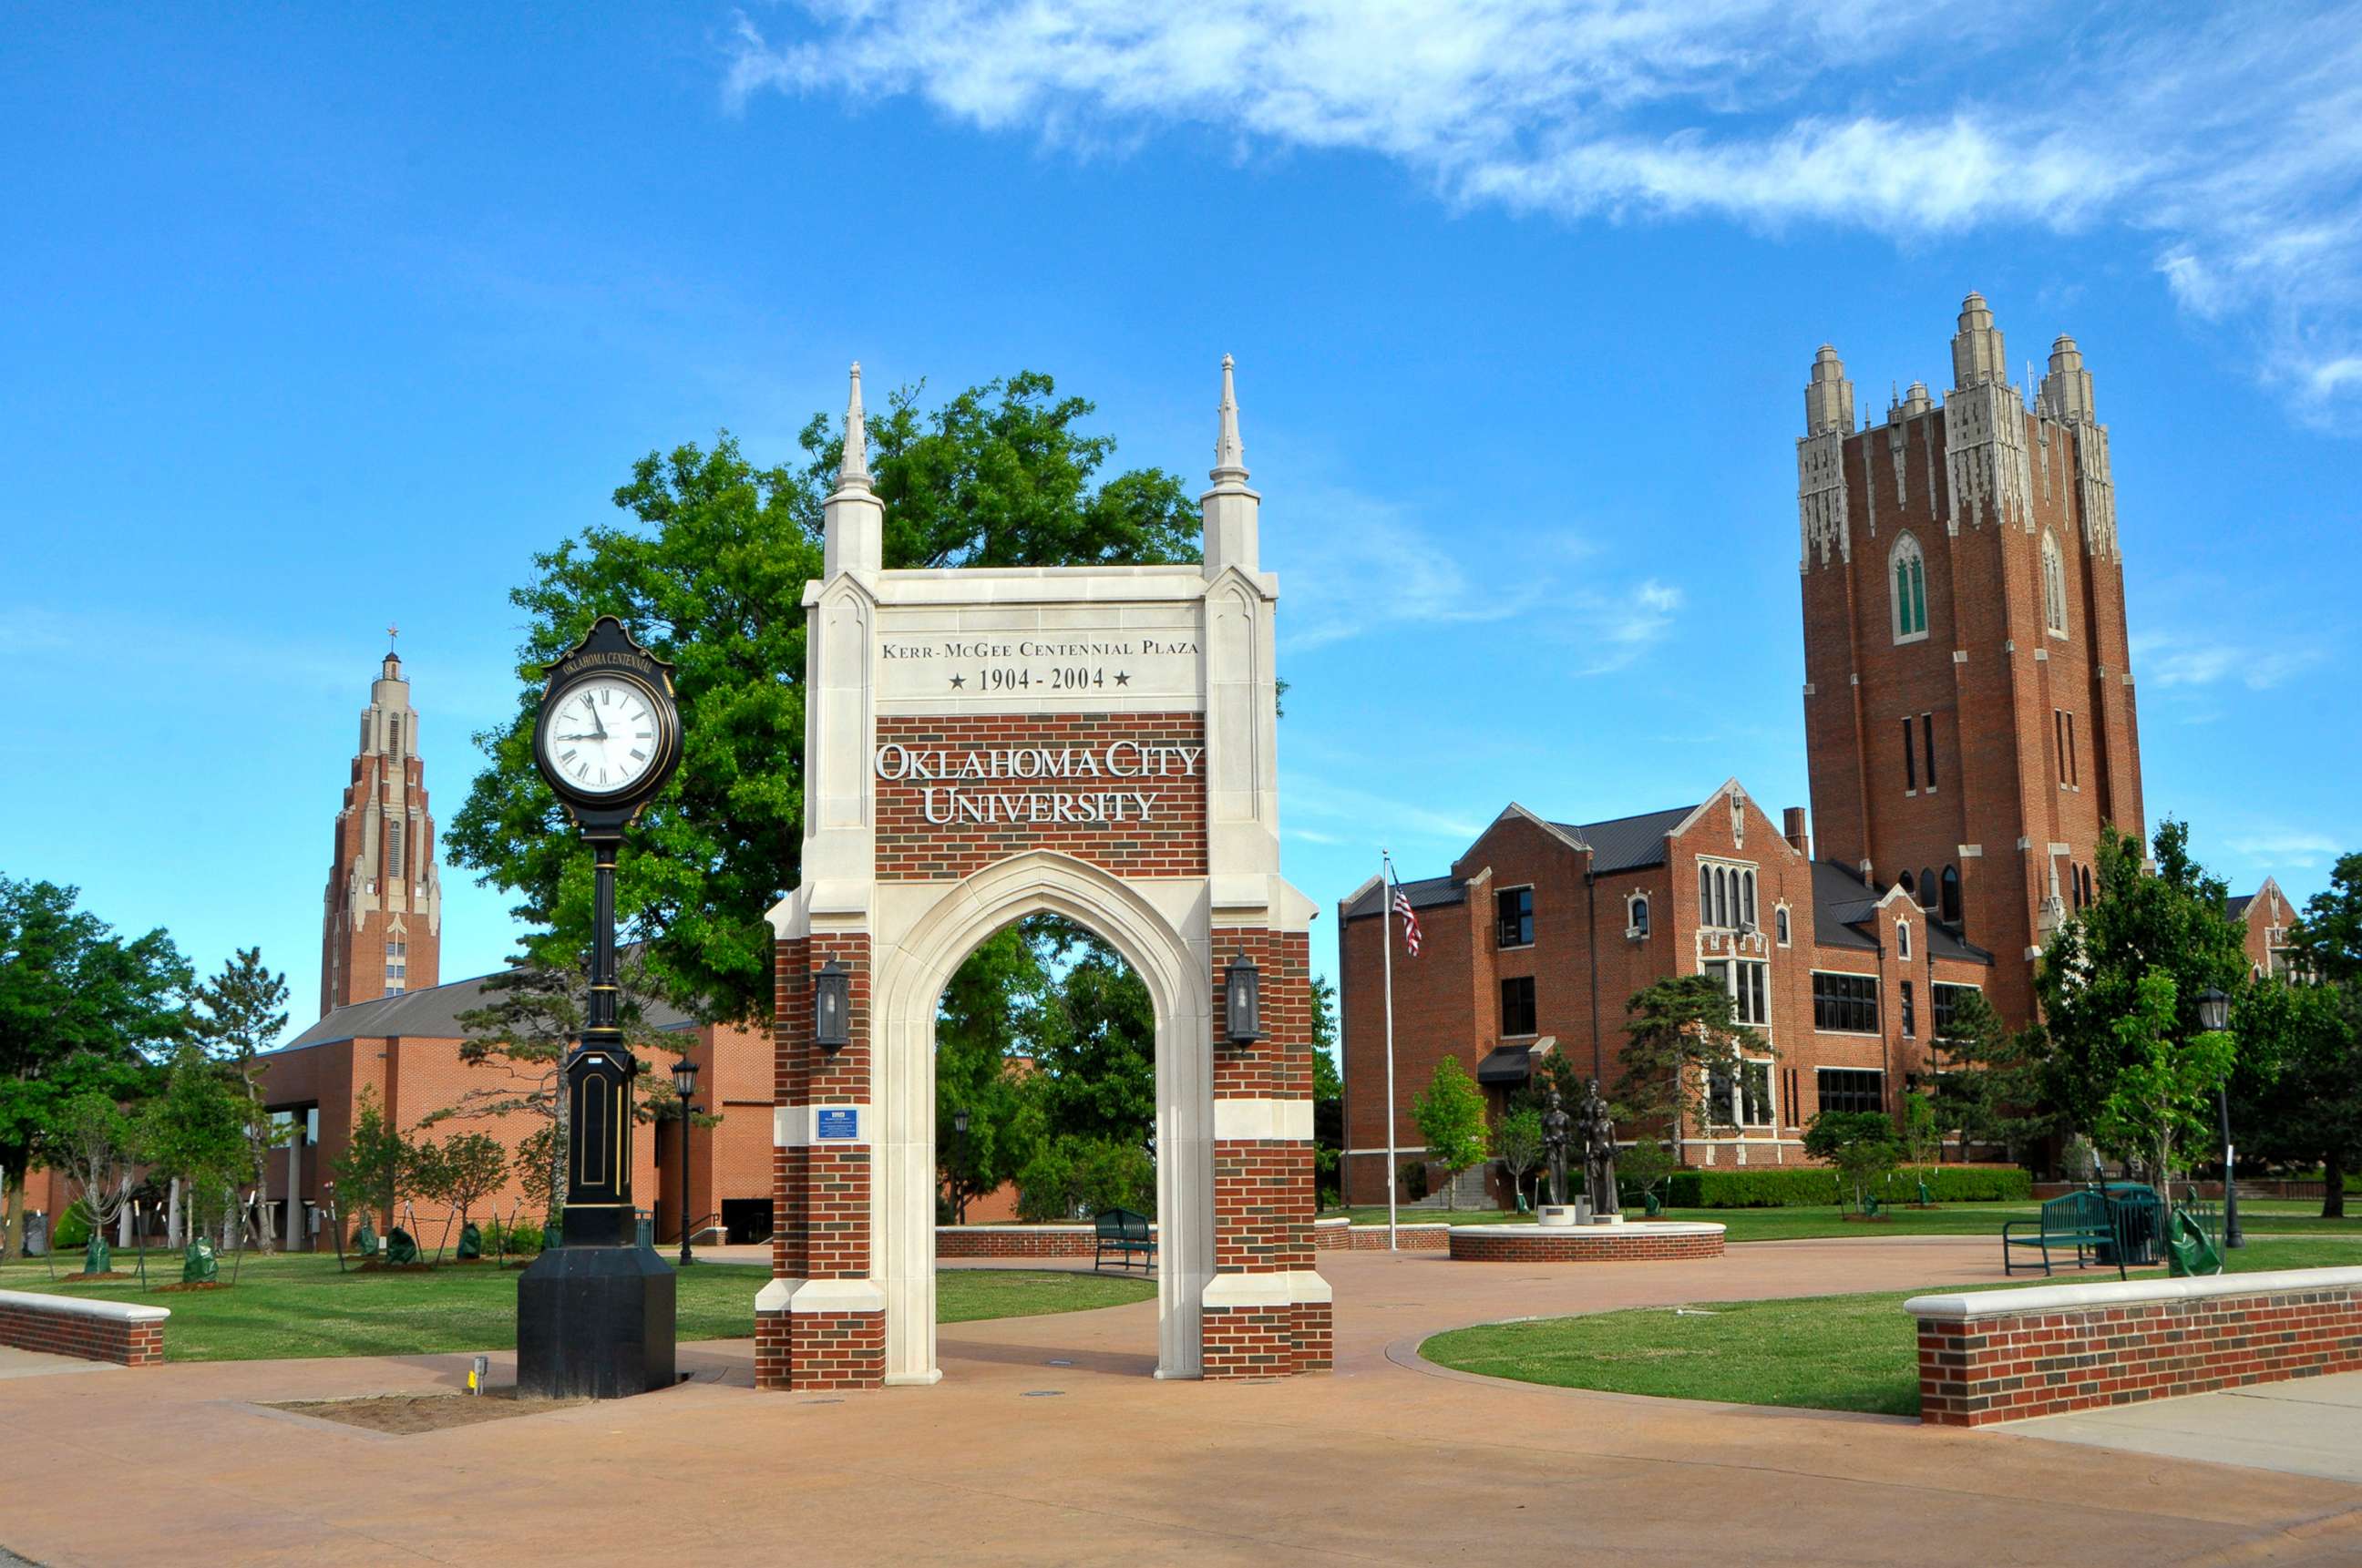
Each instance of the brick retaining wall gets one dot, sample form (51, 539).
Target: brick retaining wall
(2005, 1355)
(119, 1332)
(1584, 1244)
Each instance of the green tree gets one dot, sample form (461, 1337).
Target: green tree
(379, 1168)
(2166, 1080)
(2330, 934)
(982, 1030)
(1923, 1130)
(1992, 1087)
(1327, 1098)
(1094, 1042)
(1678, 1032)
(1518, 1144)
(2094, 969)
(92, 1142)
(461, 1172)
(1862, 1144)
(1449, 1115)
(2296, 1094)
(709, 573)
(77, 1003)
(244, 1011)
(194, 1131)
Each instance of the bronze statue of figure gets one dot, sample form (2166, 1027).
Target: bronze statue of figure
(1599, 1151)
(1555, 1124)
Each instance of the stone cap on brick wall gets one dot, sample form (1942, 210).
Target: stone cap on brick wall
(2126, 1293)
(86, 1307)
(1080, 1228)
(1630, 1228)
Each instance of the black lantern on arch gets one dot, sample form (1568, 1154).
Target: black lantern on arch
(833, 1006)
(1242, 1000)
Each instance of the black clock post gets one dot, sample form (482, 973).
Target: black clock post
(595, 1316)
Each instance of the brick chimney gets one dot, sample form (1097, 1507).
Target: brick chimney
(1791, 828)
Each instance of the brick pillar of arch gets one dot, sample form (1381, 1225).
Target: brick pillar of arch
(1268, 1314)
(821, 1324)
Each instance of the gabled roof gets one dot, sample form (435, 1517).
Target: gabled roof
(2236, 905)
(1627, 844)
(1425, 894)
(434, 1014)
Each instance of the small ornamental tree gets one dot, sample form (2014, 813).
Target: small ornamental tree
(195, 1130)
(91, 1141)
(1518, 1144)
(1861, 1143)
(1450, 1118)
(2165, 1082)
(1992, 1087)
(379, 1167)
(460, 1171)
(244, 1011)
(1923, 1131)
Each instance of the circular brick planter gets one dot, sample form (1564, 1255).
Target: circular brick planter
(1640, 1242)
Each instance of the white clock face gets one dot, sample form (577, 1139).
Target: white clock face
(603, 738)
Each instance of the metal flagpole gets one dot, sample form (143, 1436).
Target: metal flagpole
(1386, 924)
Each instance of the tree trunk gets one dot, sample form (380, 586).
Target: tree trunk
(2332, 1187)
(12, 1245)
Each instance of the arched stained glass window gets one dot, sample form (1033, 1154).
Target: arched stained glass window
(1910, 589)
(2054, 585)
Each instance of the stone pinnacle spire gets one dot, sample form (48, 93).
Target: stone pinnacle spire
(854, 470)
(853, 522)
(1231, 510)
(1229, 453)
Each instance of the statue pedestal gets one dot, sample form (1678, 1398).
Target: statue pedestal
(1556, 1215)
(1607, 1219)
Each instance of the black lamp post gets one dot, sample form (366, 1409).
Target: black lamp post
(959, 1197)
(684, 1083)
(2215, 1016)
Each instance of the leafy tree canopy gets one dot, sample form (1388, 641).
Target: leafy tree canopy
(709, 573)
(1676, 1031)
(1449, 1115)
(2171, 923)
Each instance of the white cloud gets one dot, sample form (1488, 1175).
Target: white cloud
(2236, 140)
(1307, 795)
(2287, 846)
(1363, 566)
(2166, 661)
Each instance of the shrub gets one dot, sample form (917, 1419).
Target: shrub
(1805, 1187)
(71, 1233)
(524, 1236)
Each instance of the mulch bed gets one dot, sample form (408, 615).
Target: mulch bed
(93, 1278)
(395, 1268)
(408, 1414)
(1866, 1218)
(192, 1285)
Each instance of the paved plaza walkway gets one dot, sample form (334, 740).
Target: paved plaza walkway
(1047, 1441)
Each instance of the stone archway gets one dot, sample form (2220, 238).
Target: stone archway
(980, 745)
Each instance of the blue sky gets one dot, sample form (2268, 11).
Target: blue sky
(320, 319)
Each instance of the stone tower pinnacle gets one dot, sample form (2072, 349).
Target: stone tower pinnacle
(1828, 396)
(2067, 390)
(1976, 353)
(381, 922)
(1231, 510)
(854, 520)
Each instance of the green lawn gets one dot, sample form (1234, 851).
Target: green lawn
(2260, 1218)
(300, 1306)
(1831, 1352)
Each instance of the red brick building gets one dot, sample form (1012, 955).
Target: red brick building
(382, 918)
(2266, 915)
(1969, 725)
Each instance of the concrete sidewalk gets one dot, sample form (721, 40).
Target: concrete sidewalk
(2311, 1426)
(1047, 1441)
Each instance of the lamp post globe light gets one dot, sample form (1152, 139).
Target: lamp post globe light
(684, 1083)
(595, 1316)
(2215, 1016)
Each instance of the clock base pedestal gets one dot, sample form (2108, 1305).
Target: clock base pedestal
(595, 1322)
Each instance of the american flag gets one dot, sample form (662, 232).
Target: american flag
(1409, 920)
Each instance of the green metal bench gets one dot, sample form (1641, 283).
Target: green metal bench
(2084, 1222)
(1124, 1235)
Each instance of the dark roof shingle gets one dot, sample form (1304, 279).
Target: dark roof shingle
(432, 1014)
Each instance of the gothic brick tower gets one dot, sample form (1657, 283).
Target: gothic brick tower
(382, 924)
(1967, 698)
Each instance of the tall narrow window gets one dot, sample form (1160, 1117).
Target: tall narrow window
(396, 866)
(1910, 757)
(1781, 916)
(1910, 1018)
(1910, 590)
(1514, 910)
(1952, 894)
(2058, 739)
(1518, 1005)
(1926, 888)
(397, 964)
(1636, 916)
(1902, 950)
(2054, 586)
(1721, 897)
(393, 734)
(1927, 746)
(1746, 880)
(1705, 895)
(2074, 773)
